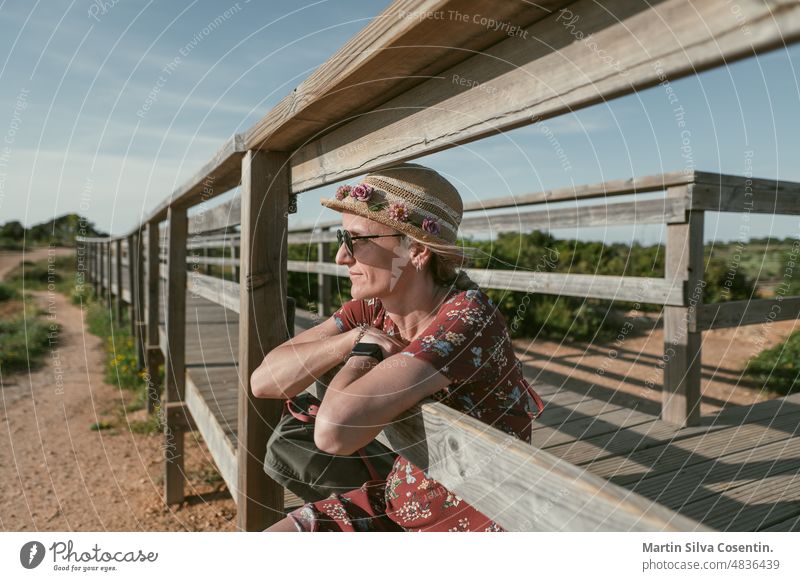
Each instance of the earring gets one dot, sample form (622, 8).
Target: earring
(417, 266)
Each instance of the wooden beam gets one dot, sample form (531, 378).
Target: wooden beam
(155, 357)
(413, 48)
(739, 313)
(588, 53)
(175, 373)
(265, 203)
(727, 193)
(531, 489)
(118, 280)
(682, 355)
(139, 303)
(131, 283)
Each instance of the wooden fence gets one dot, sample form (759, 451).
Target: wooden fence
(350, 117)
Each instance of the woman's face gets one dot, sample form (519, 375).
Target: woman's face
(377, 263)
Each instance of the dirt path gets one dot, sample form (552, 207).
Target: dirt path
(58, 474)
(8, 260)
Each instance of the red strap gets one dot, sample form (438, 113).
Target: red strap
(305, 418)
(536, 399)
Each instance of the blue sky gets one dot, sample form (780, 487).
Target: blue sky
(97, 126)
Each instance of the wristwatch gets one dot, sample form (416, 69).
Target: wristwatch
(368, 349)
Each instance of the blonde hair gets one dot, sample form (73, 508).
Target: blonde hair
(446, 263)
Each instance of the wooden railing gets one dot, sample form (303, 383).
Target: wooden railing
(350, 117)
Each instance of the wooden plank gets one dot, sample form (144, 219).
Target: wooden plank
(222, 292)
(605, 189)
(175, 372)
(130, 284)
(729, 193)
(118, 299)
(225, 215)
(643, 45)
(265, 203)
(219, 445)
(617, 288)
(354, 79)
(682, 355)
(660, 211)
(469, 457)
(155, 356)
(748, 312)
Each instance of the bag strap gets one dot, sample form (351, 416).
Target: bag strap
(537, 400)
(309, 419)
(300, 416)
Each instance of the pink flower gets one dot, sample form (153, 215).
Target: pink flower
(398, 211)
(362, 192)
(342, 192)
(431, 225)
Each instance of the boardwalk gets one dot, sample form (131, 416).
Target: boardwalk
(738, 471)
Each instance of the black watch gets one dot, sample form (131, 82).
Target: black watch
(368, 349)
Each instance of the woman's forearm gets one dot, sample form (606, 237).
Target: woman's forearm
(289, 369)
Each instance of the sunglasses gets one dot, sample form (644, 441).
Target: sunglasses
(347, 238)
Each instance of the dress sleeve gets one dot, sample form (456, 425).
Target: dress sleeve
(462, 342)
(353, 313)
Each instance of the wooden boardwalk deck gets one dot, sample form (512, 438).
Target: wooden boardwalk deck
(738, 471)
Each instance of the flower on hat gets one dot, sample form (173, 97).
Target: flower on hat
(362, 192)
(342, 192)
(431, 225)
(398, 211)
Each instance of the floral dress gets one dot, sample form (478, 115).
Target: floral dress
(468, 342)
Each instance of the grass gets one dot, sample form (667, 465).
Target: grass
(778, 368)
(25, 333)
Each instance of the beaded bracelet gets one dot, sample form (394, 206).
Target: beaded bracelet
(361, 333)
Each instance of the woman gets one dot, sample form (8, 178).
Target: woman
(437, 335)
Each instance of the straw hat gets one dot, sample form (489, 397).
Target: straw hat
(408, 197)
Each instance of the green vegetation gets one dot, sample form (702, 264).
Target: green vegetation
(25, 333)
(778, 368)
(59, 231)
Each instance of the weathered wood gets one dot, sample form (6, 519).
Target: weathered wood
(219, 445)
(643, 45)
(265, 198)
(545, 493)
(354, 79)
(108, 276)
(222, 292)
(225, 215)
(118, 281)
(178, 415)
(175, 372)
(131, 283)
(606, 189)
(155, 357)
(617, 288)
(139, 302)
(748, 312)
(724, 193)
(682, 356)
(664, 211)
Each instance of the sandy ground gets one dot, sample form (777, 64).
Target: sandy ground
(57, 474)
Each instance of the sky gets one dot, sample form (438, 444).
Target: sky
(108, 106)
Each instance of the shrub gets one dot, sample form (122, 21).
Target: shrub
(777, 368)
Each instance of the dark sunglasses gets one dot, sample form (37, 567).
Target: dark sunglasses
(347, 238)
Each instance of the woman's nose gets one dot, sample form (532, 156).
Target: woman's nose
(342, 256)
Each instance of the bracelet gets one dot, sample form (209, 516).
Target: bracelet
(360, 333)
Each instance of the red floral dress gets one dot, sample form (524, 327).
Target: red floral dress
(468, 342)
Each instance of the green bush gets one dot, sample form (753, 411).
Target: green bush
(25, 338)
(7, 292)
(777, 368)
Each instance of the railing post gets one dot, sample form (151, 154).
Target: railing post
(235, 259)
(682, 354)
(176, 351)
(265, 198)
(138, 308)
(323, 281)
(131, 284)
(98, 269)
(155, 357)
(118, 276)
(108, 276)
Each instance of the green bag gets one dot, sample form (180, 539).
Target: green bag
(293, 460)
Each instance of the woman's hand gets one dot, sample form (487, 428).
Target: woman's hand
(389, 345)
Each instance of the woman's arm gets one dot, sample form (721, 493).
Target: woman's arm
(290, 368)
